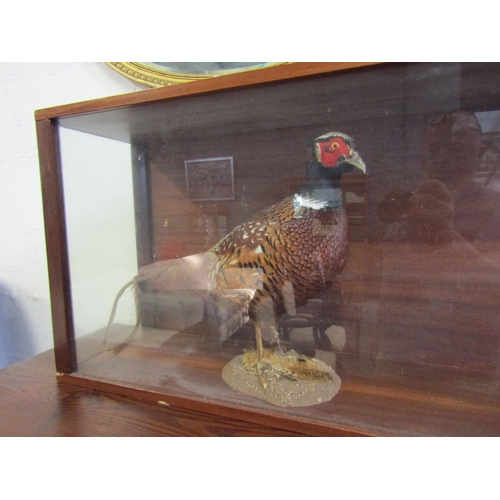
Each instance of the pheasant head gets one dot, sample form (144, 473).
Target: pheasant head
(333, 154)
(336, 153)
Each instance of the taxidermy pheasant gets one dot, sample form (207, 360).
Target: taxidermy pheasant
(287, 254)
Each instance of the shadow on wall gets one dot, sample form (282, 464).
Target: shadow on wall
(16, 337)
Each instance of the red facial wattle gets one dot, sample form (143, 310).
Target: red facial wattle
(332, 151)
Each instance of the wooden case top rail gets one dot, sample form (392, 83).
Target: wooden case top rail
(255, 77)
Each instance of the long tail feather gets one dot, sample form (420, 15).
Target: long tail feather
(115, 305)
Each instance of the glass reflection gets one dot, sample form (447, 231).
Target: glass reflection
(440, 284)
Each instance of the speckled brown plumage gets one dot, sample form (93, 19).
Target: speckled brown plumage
(279, 252)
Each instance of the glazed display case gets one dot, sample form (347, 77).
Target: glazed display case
(314, 247)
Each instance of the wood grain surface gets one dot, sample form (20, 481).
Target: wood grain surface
(57, 245)
(264, 75)
(33, 404)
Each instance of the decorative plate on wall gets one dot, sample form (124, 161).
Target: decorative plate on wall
(160, 74)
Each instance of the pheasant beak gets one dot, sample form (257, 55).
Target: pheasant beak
(356, 161)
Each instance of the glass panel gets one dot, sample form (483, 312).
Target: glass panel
(99, 206)
(404, 330)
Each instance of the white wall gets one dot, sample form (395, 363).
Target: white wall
(100, 220)
(25, 321)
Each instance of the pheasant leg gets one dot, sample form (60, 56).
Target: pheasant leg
(276, 339)
(260, 355)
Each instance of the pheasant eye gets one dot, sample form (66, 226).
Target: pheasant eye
(334, 145)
